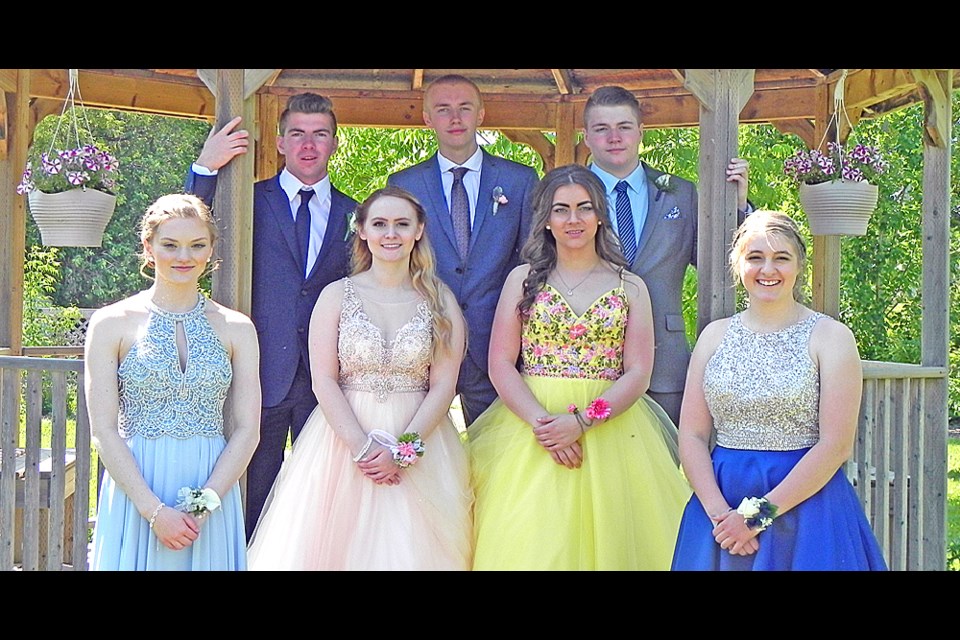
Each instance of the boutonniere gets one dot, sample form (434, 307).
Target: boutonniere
(498, 199)
(664, 185)
(351, 224)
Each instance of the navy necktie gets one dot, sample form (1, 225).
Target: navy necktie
(628, 236)
(302, 226)
(460, 211)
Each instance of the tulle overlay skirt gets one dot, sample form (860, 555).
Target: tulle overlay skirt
(324, 514)
(123, 539)
(826, 532)
(618, 511)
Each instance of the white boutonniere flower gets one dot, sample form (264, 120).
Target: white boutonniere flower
(498, 199)
(664, 185)
(351, 224)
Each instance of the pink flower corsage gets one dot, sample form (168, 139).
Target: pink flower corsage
(498, 199)
(406, 449)
(599, 409)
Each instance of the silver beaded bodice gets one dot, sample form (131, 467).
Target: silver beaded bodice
(157, 397)
(763, 389)
(369, 363)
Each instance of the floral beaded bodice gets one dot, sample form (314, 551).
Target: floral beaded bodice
(763, 389)
(157, 396)
(556, 342)
(369, 362)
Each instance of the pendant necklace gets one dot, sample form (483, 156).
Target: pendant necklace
(569, 289)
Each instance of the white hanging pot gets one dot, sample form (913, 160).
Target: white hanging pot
(839, 208)
(74, 218)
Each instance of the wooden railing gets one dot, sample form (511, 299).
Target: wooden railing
(44, 479)
(45, 497)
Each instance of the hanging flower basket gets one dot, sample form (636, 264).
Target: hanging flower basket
(839, 207)
(74, 218)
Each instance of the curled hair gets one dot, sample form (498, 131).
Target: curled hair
(422, 264)
(307, 103)
(540, 249)
(612, 96)
(174, 205)
(769, 223)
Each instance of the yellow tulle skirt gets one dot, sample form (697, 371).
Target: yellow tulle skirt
(619, 511)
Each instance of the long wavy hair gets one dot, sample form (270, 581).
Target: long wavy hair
(422, 264)
(174, 205)
(540, 249)
(766, 223)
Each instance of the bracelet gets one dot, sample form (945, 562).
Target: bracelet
(599, 409)
(758, 513)
(156, 512)
(364, 450)
(197, 502)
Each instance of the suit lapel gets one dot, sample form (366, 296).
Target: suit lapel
(434, 186)
(489, 176)
(656, 208)
(280, 209)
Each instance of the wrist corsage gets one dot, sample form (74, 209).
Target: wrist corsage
(758, 513)
(406, 449)
(197, 502)
(599, 409)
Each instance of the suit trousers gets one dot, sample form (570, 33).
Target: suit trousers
(288, 417)
(475, 389)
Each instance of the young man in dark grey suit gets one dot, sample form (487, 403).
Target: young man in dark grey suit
(661, 224)
(476, 249)
(300, 244)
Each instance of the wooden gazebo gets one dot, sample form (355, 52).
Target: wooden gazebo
(900, 463)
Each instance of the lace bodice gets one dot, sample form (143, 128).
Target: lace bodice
(763, 389)
(157, 397)
(369, 362)
(556, 342)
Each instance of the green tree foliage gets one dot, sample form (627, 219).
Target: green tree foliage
(881, 272)
(45, 324)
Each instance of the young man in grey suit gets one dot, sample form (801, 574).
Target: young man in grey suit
(477, 242)
(300, 244)
(657, 229)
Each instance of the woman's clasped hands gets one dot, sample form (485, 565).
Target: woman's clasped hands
(732, 533)
(559, 434)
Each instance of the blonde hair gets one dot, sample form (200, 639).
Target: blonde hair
(174, 205)
(422, 264)
(767, 223)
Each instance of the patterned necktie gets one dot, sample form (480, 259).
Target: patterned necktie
(460, 211)
(302, 226)
(628, 237)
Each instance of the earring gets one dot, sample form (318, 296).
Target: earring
(548, 227)
(599, 222)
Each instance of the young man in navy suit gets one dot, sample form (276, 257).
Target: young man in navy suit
(292, 263)
(663, 216)
(474, 255)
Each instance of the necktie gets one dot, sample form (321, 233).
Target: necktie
(628, 237)
(460, 211)
(302, 226)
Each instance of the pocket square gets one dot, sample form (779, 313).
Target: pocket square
(673, 214)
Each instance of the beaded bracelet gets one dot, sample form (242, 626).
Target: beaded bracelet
(156, 512)
(758, 513)
(364, 450)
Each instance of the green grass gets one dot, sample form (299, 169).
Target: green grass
(953, 505)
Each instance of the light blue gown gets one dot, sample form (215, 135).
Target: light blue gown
(172, 420)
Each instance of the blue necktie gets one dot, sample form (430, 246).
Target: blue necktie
(302, 226)
(628, 236)
(460, 211)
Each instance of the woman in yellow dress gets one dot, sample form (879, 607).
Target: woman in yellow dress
(574, 467)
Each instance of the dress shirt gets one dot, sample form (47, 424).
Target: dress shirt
(637, 192)
(319, 209)
(471, 179)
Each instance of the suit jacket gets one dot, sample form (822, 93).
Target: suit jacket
(282, 299)
(495, 240)
(667, 244)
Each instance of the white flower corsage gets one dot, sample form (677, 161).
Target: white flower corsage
(351, 224)
(664, 185)
(758, 513)
(198, 502)
(498, 199)
(406, 449)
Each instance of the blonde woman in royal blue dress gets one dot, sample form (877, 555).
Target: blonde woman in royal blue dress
(572, 465)
(162, 367)
(385, 347)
